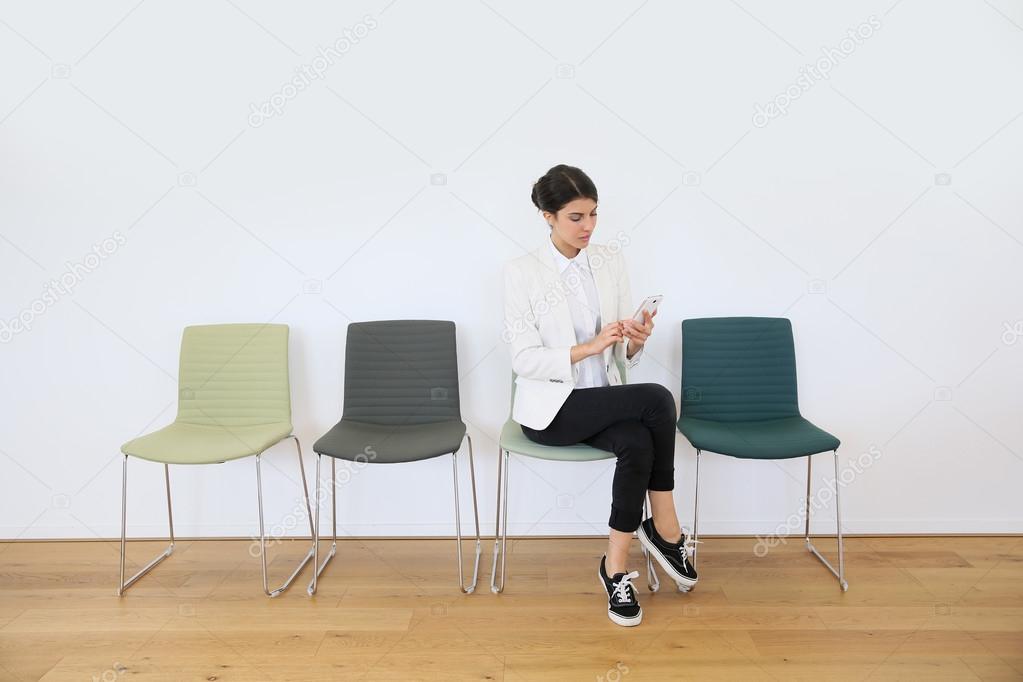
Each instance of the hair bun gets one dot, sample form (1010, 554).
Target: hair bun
(561, 185)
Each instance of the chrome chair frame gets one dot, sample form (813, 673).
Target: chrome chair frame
(840, 573)
(501, 529)
(466, 589)
(123, 586)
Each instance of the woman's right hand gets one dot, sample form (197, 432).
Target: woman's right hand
(609, 335)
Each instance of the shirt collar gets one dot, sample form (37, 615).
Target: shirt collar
(561, 262)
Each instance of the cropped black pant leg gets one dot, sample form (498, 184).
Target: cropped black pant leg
(637, 423)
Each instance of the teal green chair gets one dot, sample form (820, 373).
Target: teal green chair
(234, 401)
(739, 399)
(512, 440)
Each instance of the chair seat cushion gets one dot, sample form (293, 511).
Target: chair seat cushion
(391, 443)
(513, 440)
(181, 443)
(763, 439)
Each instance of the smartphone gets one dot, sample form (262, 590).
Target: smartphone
(649, 304)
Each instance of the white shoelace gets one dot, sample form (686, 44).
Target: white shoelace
(689, 546)
(621, 590)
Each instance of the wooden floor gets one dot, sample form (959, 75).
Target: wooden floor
(917, 608)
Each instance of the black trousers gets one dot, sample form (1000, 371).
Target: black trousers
(637, 423)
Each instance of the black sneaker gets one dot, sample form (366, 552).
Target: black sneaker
(622, 606)
(672, 556)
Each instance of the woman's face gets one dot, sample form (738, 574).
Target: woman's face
(575, 222)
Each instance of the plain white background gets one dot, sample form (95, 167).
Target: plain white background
(880, 212)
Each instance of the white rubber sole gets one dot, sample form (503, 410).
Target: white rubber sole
(625, 622)
(684, 584)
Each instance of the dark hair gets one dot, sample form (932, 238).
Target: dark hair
(561, 185)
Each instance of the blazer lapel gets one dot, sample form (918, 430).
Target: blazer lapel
(606, 292)
(552, 284)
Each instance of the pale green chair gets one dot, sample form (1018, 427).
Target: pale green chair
(234, 401)
(512, 440)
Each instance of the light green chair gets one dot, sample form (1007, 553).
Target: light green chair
(234, 401)
(512, 440)
(739, 399)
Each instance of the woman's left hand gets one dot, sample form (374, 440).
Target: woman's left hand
(637, 333)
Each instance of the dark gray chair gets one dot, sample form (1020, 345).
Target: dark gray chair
(400, 405)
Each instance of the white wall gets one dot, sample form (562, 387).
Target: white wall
(881, 213)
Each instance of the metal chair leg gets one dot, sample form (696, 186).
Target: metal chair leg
(696, 531)
(122, 586)
(262, 533)
(311, 588)
(500, 526)
(696, 509)
(652, 583)
(840, 573)
(458, 521)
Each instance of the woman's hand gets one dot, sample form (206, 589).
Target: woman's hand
(636, 332)
(609, 335)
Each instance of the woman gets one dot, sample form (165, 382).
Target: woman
(568, 320)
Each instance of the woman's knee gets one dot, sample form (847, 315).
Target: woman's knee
(659, 398)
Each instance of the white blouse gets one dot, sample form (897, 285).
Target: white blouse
(584, 305)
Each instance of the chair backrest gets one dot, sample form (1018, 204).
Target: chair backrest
(401, 372)
(234, 375)
(738, 369)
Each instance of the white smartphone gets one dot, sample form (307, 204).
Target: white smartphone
(649, 304)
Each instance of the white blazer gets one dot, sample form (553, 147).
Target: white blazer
(538, 328)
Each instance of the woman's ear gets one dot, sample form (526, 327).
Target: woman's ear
(549, 217)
